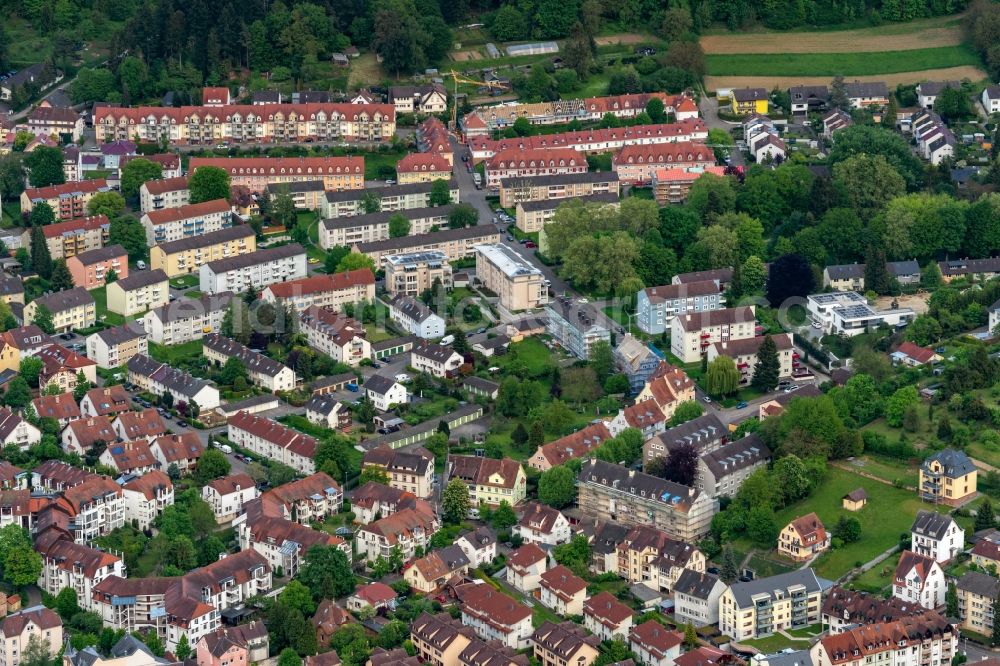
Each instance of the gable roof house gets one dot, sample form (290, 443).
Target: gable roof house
(525, 568)
(494, 615)
(160, 378)
(432, 571)
(696, 598)
(655, 645)
(936, 535)
(574, 445)
(182, 450)
(803, 538)
(919, 579)
(146, 425)
(490, 481)
(63, 408)
(564, 643)
(563, 591)
(81, 435)
(479, 545)
(129, 457)
(16, 431)
(607, 617)
(543, 525)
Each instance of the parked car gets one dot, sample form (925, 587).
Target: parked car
(742, 404)
(531, 245)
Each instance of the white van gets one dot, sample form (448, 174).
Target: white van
(447, 340)
(141, 265)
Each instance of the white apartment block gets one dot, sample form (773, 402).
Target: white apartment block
(274, 441)
(254, 271)
(164, 193)
(186, 319)
(227, 496)
(172, 224)
(692, 334)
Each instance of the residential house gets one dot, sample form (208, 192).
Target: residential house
(186, 319)
(408, 471)
(947, 476)
(20, 631)
(329, 617)
(744, 355)
(808, 98)
(424, 99)
(746, 101)
(566, 643)
(637, 361)
(384, 392)
(844, 609)
(336, 335)
(254, 271)
(722, 471)
(139, 292)
(81, 435)
(164, 193)
(930, 639)
(575, 326)
(479, 546)
(606, 617)
(494, 615)
(312, 499)
(430, 573)
(767, 147)
(440, 639)
(407, 530)
(159, 379)
(616, 493)
(705, 433)
(692, 334)
(129, 457)
(96, 507)
(490, 481)
(374, 500)
(864, 94)
(803, 538)
(436, 360)
(657, 306)
(63, 408)
(516, 190)
(525, 568)
(696, 598)
(655, 645)
(991, 99)
(563, 591)
(532, 216)
(415, 317)
(477, 386)
(67, 201)
(227, 496)
(848, 313)
(518, 283)
(913, 355)
(928, 91)
(283, 543)
(70, 309)
(919, 579)
(851, 277)
(986, 269)
(274, 441)
(414, 273)
(374, 595)
(543, 525)
(147, 425)
(262, 370)
(324, 291)
(189, 254)
(328, 412)
(105, 401)
(15, 431)
(936, 535)
(113, 347)
(74, 236)
(48, 120)
(90, 268)
(146, 497)
(977, 593)
(182, 450)
(63, 368)
(765, 606)
(834, 121)
(668, 387)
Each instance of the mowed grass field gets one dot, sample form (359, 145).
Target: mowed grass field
(862, 63)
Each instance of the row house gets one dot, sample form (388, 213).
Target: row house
(391, 198)
(408, 471)
(346, 231)
(692, 334)
(113, 347)
(405, 530)
(171, 224)
(542, 524)
(71, 309)
(82, 435)
(273, 441)
(160, 378)
(521, 189)
(928, 640)
(411, 274)
(562, 591)
(227, 496)
(189, 254)
(67, 564)
(146, 425)
(516, 163)
(181, 450)
(15, 509)
(598, 140)
(54, 475)
(615, 493)
(74, 236)
(935, 141)
(455, 244)
(164, 193)
(851, 277)
(284, 543)
(262, 370)
(129, 457)
(656, 307)
(414, 317)
(260, 173)
(68, 201)
(637, 164)
(170, 163)
(334, 291)
(564, 643)
(254, 271)
(186, 319)
(338, 336)
(146, 497)
(649, 556)
(843, 609)
(490, 481)
(139, 292)
(241, 123)
(494, 615)
(62, 408)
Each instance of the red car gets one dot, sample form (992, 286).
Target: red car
(530, 245)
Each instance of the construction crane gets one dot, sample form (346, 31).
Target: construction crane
(459, 79)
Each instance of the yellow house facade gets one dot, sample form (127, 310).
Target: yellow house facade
(745, 101)
(948, 476)
(187, 255)
(490, 481)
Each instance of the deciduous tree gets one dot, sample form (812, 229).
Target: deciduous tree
(557, 486)
(455, 501)
(208, 183)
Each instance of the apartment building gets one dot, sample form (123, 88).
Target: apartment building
(432, 572)
(139, 292)
(519, 285)
(490, 481)
(851, 277)
(615, 493)
(423, 168)
(929, 640)
(391, 198)
(187, 255)
(936, 535)
(692, 334)
(308, 500)
(67, 564)
(68, 201)
(170, 163)
(171, 224)
(650, 556)
(96, 507)
(515, 190)
(696, 598)
(62, 367)
(113, 347)
(575, 326)
(637, 165)
(71, 309)
(346, 231)
(532, 216)
(947, 476)
(414, 273)
(637, 362)
(574, 445)
(440, 640)
(274, 441)
(374, 500)
(764, 606)
(495, 616)
(48, 120)
(453, 243)
(254, 271)
(517, 163)
(671, 186)
(146, 497)
(564, 643)
(656, 307)
(74, 236)
(324, 291)
(164, 193)
(416, 318)
(848, 313)
(227, 496)
(186, 319)
(919, 580)
(260, 173)
(744, 355)
(305, 195)
(159, 379)
(723, 470)
(243, 123)
(479, 546)
(262, 370)
(340, 337)
(977, 592)
(408, 471)
(606, 617)
(436, 360)
(407, 530)
(89, 269)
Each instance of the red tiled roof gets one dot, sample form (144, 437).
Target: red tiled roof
(54, 191)
(665, 153)
(322, 283)
(166, 215)
(149, 483)
(62, 406)
(810, 529)
(248, 166)
(536, 157)
(275, 433)
(163, 185)
(575, 445)
(919, 354)
(655, 638)
(607, 610)
(563, 582)
(424, 162)
(77, 224)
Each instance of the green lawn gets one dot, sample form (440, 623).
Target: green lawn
(10, 214)
(888, 469)
(889, 513)
(775, 643)
(833, 64)
(303, 424)
(531, 352)
(182, 281)
(873, 580)
(765, 567)
(175, 353)
(379, 165)
(101, 300)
